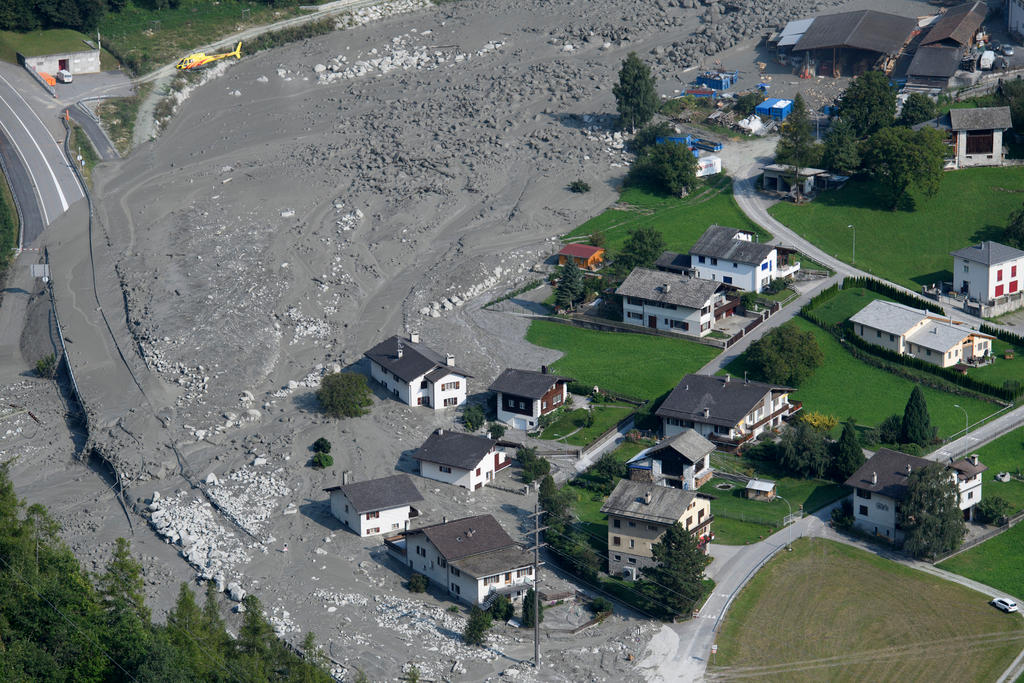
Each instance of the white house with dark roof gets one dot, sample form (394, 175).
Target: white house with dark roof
(921, 334)
(672, 302)
(977, 134)
(376, 506)
(474, 559)
(682, 461)
(726, 411)
(731, 256)
(524, 396)
(639, 514)
(990, 274)
(462, 459)
(416, 374)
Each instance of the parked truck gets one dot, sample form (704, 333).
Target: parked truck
(987, 59)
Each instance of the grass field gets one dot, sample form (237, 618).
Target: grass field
(846, 387)
(845, 304)
(680, 221)
(909, 247)
(1005, 454)
(8, 225)
(996, 562)
(639, 365)
(827, 611)
(571, 424)
(48, 42)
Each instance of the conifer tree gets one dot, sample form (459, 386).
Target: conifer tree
(635, 96)
(916, 426)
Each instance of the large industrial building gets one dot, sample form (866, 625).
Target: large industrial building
(851, 43)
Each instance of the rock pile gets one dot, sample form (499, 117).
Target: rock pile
(397, 56)
(251, 495)
(365, 15)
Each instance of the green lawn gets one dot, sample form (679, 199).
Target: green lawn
(827, 611)
(48, 42)
(1005, 454)
(996, 562)
(729, 531)
(680, 221)
(1001, 369)
(572, 423)
(639, 365)
(845, 304)
(118, 117)
(846, 387)
(909, 247)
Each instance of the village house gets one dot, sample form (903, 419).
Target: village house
(376, 506)
(671, 302)
(726, 411)
(416, 374)
(524, 396)
(638, 516)
(880, 485)
(920, 334)
(731, 256)
(583, 255)
(462, 459)
(682, 461)
(989, 274)
(474, 559)
(977, 134)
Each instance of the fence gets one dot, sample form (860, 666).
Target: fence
(978, 540)
(35, 74)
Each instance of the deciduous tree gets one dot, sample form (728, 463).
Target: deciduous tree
(635, 97)
(668, 167)
(796, 147)
(840, 154)
(900, 158)
(930, 514)
(917, 109)
(804, 451)
(868, 104)
(786, 355)
(641, 249)
(1013, 234)
(344, 394)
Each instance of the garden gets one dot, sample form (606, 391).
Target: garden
(581, 427)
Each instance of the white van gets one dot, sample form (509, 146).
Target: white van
(64, 76)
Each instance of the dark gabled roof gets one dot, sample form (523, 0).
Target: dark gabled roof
(672, 262)
(526, 383)
(966, 468)
(467, 537)
(380, 494)
(934, 62)
(728, 400)
(862, 29)
(687, 444)
(455, 449)
(416, 359)
(669, 288)
(958, 24)
(886, 473)
(494, 562)
(981, 118)
(988, 253)
(720, 242)
(666, 507)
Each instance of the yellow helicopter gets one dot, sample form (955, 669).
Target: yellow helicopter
(197, 60)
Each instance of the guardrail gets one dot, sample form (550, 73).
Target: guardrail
(39, 79)
(17, 204)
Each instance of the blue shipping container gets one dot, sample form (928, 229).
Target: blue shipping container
(719, 80)
(774, 108)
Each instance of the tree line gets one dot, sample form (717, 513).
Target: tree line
(59, 622)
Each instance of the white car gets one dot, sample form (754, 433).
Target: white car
(1005, 604)
(64, 76)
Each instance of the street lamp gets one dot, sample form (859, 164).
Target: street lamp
(853, 261)
(967, 424)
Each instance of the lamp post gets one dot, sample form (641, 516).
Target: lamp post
(967, 424)
(789, 543)
(853, 261)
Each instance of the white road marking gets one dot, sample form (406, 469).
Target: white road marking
(28, 167)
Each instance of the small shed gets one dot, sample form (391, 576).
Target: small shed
(774, 108)
(584, 255)
(760, 489)
(779, 178)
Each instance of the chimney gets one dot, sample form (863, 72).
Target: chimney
(414, 337)
(346, 476)
(647, 498)
(666, 288)
(543, 369)
(909, 468)
(974, 459)
(707, 412)
(469, 532)
(874, 478)
(444, 519)
(401, 351)
(440, 431)
(449, 360)
(727, 378)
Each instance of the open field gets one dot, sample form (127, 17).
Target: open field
(1005, 454)
(846, 387)
(909, 247)
(812, 494)
(639, 365)
(571, 427)
(996, 562)
(49, 42)
(827, 611)
(680, 221)
(848, 302)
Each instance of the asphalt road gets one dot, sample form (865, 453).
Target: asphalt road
(21, 185)
(92, 129)
(54, 183)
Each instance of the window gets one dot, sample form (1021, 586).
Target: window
(394, 525)
(651, 527)
(424, 384)
(700, 515)
(456, 572)
(970, 495)
(478, 471)
(511, 402)
(878, 333)
(373, 515)
(422, 552)
(373, 530)
(892, 337)
(616, 540)
(632, 560)
(714, 261)
(632, 543)
(618, 558)
(634, 316)
(522, 405)
(456, 588)
(863, 510)
(422, 400)
(980, 142)
(866, 495)
(451, 401)
(520, 573)
(632, 524)
(450, 386)
(727, 279)
(617, 523)
(735, 265)
(999, 290)
(764, 266)
(488, 580)
(1013, 285)
(999, 274)
(705, 310)
(689, 521)
(346, 508)
(445, 469)
(700, 259)
(556, 400)
(967, 268)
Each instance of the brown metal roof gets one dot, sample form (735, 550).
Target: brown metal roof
(863, 30)
(467, 537)
(958, 24)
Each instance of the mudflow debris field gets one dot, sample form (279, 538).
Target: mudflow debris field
(305, 203)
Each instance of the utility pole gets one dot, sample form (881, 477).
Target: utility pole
(537, 528)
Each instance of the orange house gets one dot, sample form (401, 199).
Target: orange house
(584, 255)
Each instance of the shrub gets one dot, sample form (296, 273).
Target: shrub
(528, 613)
(344, 394)
(588, 419)
(497, 430)
(476, 627)
(473, 417)
(992, 510)
(579, 187)
(581, 389)
(46, 367)
(890, 429)
(820, 421)
(600, 605)
(842, 516)
(322, 460)
(321, 445)
(418, 584)
(502, 609)
(534, 466)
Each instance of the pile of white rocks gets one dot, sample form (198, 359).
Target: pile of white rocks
(365, 15)
(400, 55)
(311, 381)
(250, 495)
(306, 326)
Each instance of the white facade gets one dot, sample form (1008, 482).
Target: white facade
(537, 407)
(1015, 16)
(755, 422)
(482, 474)
(985, 283)
(696, 322)
(83, 62)
(991, 157)
(746, 276)
(424, 558)
(447, 392)
(369, 523)
(875, 514)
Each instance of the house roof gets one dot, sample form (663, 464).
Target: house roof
(792, 32)
(981, 118)
(941, 336)
(727, 400)
(527, 383)
(958, 24)
(666, 507)
(584, 251)
(668, 288)
(804, 172)
(494, 562)
(379, 494)
(889, 316)
(467, 537)
(934, 61)
(988, 253)
(455, 449)
(761, 485)
(416, 359)
(886, 473)
(687, 444)
(720, 242)
(862, 29)
(672, 261)
(966, 468)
